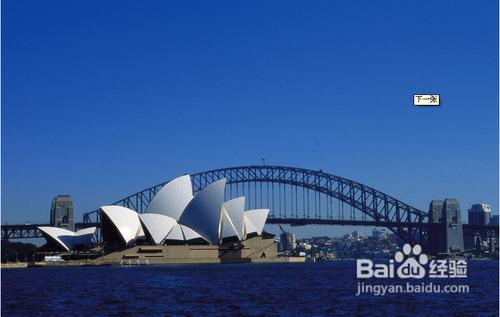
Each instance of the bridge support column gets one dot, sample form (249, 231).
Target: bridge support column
(445, 232)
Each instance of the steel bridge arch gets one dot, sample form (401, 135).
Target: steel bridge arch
(406, 221)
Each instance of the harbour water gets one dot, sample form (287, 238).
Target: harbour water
(307, 289)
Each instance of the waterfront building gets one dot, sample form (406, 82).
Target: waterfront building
(287, 241)
(179, 226)
(63, 240)
(479, 214)
(176, 215)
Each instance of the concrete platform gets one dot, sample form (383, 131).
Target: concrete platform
(255, 249)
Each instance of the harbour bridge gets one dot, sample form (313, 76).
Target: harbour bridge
(295, 196)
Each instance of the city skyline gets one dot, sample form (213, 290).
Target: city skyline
(113, 102)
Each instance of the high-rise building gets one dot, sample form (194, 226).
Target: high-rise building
(287, 241)
(479, 214)
(61, 212)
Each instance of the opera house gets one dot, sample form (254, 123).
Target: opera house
(65, 240)
(177, 227)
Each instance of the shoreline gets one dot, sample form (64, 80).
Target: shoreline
(180, 261)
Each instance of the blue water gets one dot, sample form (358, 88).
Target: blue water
(308, 289)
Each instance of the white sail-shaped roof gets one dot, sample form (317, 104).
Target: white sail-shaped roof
(189, 233)
(175, 234)
(232, 221)
(182, 233)
(228, 229)
(173, 198)
(125, 220)
(86, 231)
(203, 213)
(84, 236)
(249, 228)
(157, 226)
(68, 239)
(62, 237)
(255, 220)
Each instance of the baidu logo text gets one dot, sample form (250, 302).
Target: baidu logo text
(410, 263)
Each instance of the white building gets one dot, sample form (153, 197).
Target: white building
(66, 240)
(176, 216)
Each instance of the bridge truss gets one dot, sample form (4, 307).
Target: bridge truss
(302, 196)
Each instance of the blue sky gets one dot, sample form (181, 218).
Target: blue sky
(102, 99)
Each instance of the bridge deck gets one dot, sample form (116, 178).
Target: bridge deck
(28, 231)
